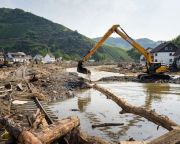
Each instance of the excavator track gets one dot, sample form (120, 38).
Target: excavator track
(153, 77)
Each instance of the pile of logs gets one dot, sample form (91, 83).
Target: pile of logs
(47, 135)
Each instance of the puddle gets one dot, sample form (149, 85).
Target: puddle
(94, 108)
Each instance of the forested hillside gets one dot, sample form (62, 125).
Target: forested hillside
(26, 32)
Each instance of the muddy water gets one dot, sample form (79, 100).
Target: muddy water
(95, 74)
(94, 108)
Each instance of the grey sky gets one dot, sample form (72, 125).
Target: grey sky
(155, 19)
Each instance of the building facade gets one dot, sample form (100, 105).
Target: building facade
(142, 58)
(16, 57)
(164, 53)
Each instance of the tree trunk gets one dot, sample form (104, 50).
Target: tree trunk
(152, 116)
(57, 130)
(45, 136)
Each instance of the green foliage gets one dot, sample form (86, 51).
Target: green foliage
(134, 54)
(176, 41)
(58, 53)
(26, 32)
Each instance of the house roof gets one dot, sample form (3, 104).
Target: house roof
(51, 55)
(161, 47)
(38, 57)
(17, 53)
(177, 53)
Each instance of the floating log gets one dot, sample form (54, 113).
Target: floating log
(107, 124)
(150, 115)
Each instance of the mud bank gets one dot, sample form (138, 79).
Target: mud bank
(134, 79)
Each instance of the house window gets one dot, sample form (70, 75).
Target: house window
(170, 48)
(155, 60)
(155, 54)
(166, 48)
(170, 54)
(170, 60)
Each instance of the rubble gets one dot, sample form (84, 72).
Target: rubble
(52, 83)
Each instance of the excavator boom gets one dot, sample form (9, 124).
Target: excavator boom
(151, 67)
(80, 67)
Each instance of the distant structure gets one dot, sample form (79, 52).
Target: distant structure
(49, 58)
(1, 57)
(38, 58)
(16, 57)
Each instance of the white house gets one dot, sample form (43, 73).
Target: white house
(38, 57)
(49, 58)
(164, 53)
(1, 57)
(16, 57)
(142, 58)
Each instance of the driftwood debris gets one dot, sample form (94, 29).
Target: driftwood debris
(132, 142)
(172, 137)
(45, 136)
(58, 129)
(150, 115)
(107, 124)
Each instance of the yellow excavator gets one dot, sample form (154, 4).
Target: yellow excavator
(155, 70)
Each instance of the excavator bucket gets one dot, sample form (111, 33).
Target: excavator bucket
(81, 69)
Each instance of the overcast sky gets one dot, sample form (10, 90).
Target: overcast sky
(154, 19)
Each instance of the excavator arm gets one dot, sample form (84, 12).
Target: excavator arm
(80, 67)
(151, 67)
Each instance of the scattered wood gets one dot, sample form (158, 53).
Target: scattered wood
(8, 86)
(152, 116)
(34, 78)
(36, 119)
(19, 87)
(45, 136)
(22, 136)
(27, 137)
(58, 129)
(172, 137)
(107, 124)
(132, 142)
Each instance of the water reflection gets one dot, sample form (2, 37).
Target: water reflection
(95, 109)
(154, 93)
(83, 102)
